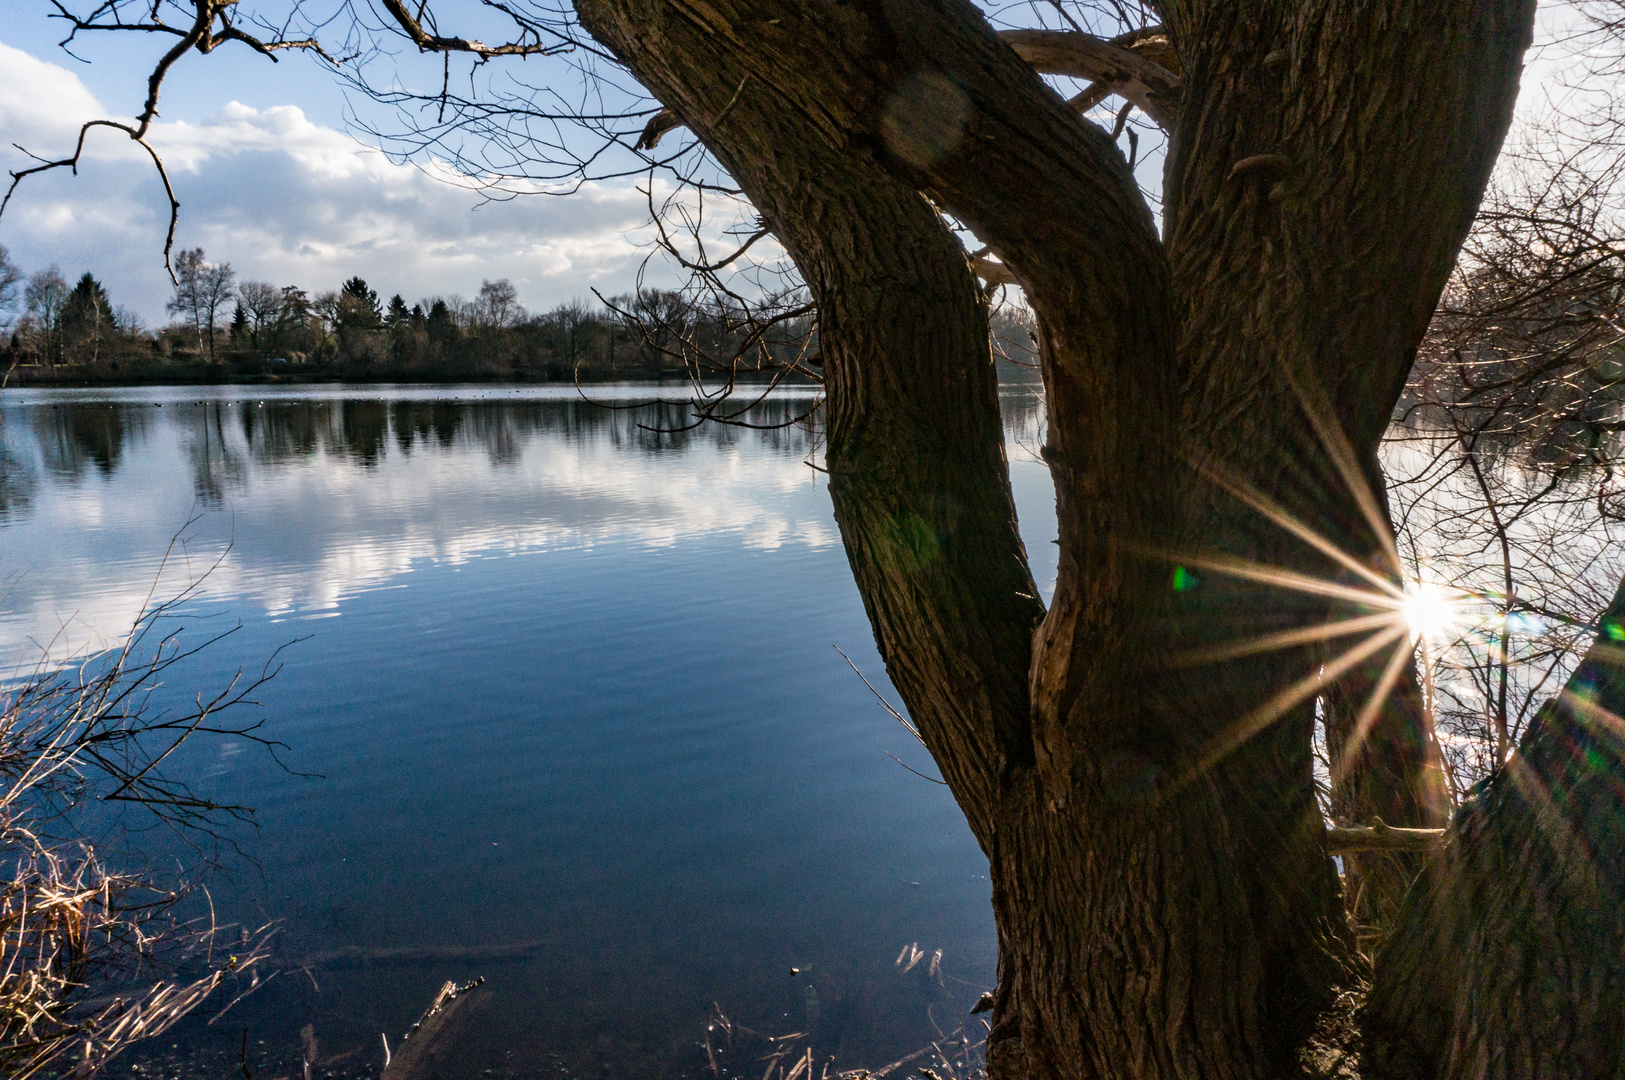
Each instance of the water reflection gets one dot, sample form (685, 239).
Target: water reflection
(225, 433)
(324, 497)
(75, 438)
(19, 476)
(566, 687)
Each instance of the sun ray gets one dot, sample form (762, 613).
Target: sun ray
(1257, 720)
(1289, 579)
(1284, 639)
(1341, 451)
(1374, 703)
(1280, 516)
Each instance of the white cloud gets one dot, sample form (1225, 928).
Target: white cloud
(288, 201)
(41, 101)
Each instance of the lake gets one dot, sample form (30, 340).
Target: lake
(562, 708)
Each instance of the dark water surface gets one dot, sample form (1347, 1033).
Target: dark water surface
(567, 689)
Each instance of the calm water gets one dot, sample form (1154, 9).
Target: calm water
(565, 686)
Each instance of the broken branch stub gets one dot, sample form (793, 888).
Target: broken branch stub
(659, 124)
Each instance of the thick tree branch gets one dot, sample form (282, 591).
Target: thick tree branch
(1115, 70)
(1340, 195)
(656, 129)
(1057, 204)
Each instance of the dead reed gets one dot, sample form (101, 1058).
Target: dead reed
(91, 955)
(732, 1049)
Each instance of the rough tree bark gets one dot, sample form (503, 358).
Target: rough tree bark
(1164, 900)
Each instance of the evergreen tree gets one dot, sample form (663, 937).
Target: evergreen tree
(398, 321)
(296, 327)
(87, 319)
(439, 324)
(358, 304)
(88, 303)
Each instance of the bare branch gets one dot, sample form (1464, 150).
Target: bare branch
(428, 42)
(138, 136)
(198, 36)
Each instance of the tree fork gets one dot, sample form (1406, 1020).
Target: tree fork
(1134, 807)
(1112, 965)
(1162, 890)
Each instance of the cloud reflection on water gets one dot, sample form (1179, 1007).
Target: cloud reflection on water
(306, 500)
(307, 495)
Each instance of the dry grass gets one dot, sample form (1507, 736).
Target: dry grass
(732, 1049)
(90, 955)
(82, 949)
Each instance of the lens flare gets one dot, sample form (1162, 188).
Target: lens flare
(1428, 611)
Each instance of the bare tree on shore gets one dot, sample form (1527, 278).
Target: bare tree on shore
(202, 290)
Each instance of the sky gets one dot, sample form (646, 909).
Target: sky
(272, 179)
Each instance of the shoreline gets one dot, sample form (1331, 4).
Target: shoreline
(32, 381)
(63, 378)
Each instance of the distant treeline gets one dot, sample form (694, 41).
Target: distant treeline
(226, 441)
(252, 331)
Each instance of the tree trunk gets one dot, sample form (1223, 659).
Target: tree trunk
(1327, 166)
(1142, 786)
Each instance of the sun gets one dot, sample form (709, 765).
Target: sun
(1428, 610)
